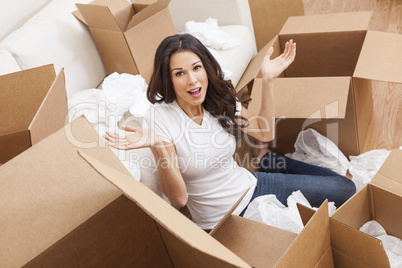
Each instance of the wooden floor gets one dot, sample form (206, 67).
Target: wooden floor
(385, 129)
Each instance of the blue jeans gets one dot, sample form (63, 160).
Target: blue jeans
(281, 176)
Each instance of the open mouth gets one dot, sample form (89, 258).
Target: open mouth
(195, 92)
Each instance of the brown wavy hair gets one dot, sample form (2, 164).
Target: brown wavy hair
(220, 99)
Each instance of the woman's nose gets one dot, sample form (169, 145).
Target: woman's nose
(192, 79)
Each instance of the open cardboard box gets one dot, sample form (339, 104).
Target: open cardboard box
(33, 104)
(380, 200)
(350, 247)
(328, 86)
(62, 210)
(127, 35)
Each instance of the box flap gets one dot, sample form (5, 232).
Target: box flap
(114, 51)
(269, 16)
(53, 112)
(312, 247)
(327, 97)
(350, 247)
(99, 17)
(148, 12)
(381, 57)
(165, 215)
(390, 174)
(141, 4)
(13, 144)
(260, 245)
(143, 45)
(254, 66)
(305, 213)
(114, 6)
(50, 191)
(340, 22)
(228, 214)
(120, 235)
(21, 95)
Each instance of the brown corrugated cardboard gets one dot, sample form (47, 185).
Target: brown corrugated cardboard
(332, 109)
(62, 210)
(333, 47)
(390, 176)
(252, 241)
(33, 104)
(380, 200)
(350, 247)
(269, 16)
(248, 240)
(127, 35)
(47, 192)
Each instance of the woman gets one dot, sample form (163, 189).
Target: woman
(192, 128)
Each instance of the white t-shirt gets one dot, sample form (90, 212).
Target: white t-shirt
(213, 179)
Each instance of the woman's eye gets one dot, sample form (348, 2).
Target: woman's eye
(197, 67)
(179, 73)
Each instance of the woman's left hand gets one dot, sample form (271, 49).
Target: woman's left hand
(271, 69)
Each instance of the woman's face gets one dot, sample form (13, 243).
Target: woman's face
(189, 78)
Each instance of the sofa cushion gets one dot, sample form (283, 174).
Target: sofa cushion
(237, 59)
(7, 63)
(227, 12)
(55, 36)
(13, 14)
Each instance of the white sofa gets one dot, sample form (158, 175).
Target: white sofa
(40, 32)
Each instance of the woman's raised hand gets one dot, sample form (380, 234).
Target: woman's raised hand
(138, 138)
(271, 69)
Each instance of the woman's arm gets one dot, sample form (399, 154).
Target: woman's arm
(262, 126)
(170, 178)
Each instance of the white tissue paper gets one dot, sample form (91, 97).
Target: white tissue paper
(121, 92)
(313, 148)
(269, 210)
(364, 167)
(105, 108)
(127, 90)
(392, 244)
(210, 35)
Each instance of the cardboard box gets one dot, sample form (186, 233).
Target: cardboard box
(350, 247)
(33, 104)
(380, 200)
(262, 245)
(127, 35)
(62, 210)
(268, 17)
(328, 86)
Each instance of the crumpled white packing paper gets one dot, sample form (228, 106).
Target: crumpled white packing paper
(210, 35)
(392, 244)
(269, 210)
(313, 148)
(364, 167)
(120, 93)
(105, 108)
(213, 38)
